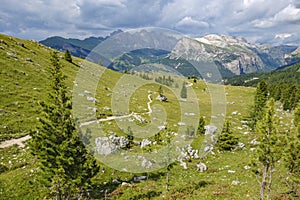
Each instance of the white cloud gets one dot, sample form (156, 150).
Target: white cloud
(37, 19)
(283, 35)
(189, 22)
(289, 14)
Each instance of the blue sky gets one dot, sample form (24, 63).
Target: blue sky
(271, 21)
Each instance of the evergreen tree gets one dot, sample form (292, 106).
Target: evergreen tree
(260, 100)
(66, 166)
(292, 157)
(227, 141)
(68, 56)
(201, 129)
(270, 147)
(160, 90)
(183, 92)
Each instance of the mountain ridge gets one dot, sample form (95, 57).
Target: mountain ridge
(235, 54)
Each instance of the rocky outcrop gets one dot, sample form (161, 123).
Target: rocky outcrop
(235, 54)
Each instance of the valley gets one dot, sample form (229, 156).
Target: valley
(114, 104)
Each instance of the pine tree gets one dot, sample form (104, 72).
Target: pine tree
(183, 92)
(260, 100)
(227, 141)
(292, 156)
(68, 56)
(201, 129)
(66, 166)
(270, 147)
(160, 90)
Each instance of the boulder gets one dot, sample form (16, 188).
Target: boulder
(108, 145)
(145, 142)
(161, 97)
(210, 129)
(201, 167)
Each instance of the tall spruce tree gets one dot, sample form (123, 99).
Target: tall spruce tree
(201, 125)
(227, 141)
(270, 149)
(183, 92)
(68, 56)
(292, 157)
(260, 101)
(66, 166)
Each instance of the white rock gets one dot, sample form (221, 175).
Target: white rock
(231, 171)
(235, 182)
(246, 167)
(183, 164)
(145, 142)
(201, 167)
(116, 181)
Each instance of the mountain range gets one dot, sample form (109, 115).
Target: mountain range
(122, 51)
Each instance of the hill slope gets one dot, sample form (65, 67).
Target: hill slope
(24, 82)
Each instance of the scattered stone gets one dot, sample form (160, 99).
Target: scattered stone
(106, 108)
(181, 123)
(11, 54)
(161, 97)
(187, 153)
(235, 182)
(208, 149)
(201, 167)
(145, 142)
(183, 164)
(240, 145)
(189, 114)
(125, 184)
(139, 178)
(116, 181)
(87, 92)
(246, 167)
(91, 99)
(3, 42)
(21, 44)
(254, 142)
(209, 129)
(231, 171)
(234, 113)
(147, 164)
(28, 60)
(108, 145)
(140, 119)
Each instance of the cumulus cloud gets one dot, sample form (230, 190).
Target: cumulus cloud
(289, 14)
(191, 25)
(257, 20)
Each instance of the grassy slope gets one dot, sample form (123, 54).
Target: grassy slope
(24, 83)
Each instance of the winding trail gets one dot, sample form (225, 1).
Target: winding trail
(12, 142)
(20, 141)
(120, 117)
(148, 104)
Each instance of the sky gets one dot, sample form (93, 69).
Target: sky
(260, 21)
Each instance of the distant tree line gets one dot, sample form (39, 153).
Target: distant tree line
(165, 81)
(287, 94)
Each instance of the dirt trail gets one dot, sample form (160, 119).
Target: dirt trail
(119, 117)
(20, 141)
(11, 142)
